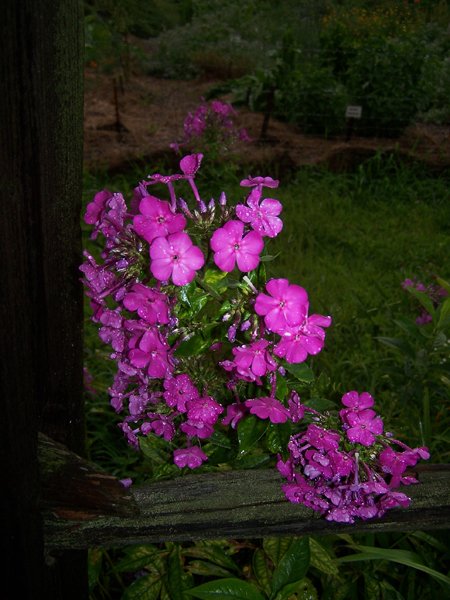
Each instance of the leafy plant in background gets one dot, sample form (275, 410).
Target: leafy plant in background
(422, 371)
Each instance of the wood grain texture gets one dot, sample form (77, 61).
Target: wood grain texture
(41, 110)
(242, 504)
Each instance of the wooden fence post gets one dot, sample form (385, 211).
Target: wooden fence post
(41, 107)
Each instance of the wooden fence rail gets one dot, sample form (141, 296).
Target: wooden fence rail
(94, 509)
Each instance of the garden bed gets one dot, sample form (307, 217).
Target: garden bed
(152, 111)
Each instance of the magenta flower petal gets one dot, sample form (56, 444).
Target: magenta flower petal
(156, 219)
(230, 247)
(190, 164)
(189, 457)
(287, 305)
(268, 408)
(175, 256)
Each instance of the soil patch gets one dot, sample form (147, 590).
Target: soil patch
(149, 114)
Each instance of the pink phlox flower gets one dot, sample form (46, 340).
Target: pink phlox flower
(243, 135)
(99, 281)
(222, 108)
(95, 208)
(307, 338)
(162, 427)
(260, 182)
(286, 306)
(322, 439)
(396, 463)
(127, 482)
(167, 179)
(192, 457)
(285, 468)
(230, 246)
(262, 216)
(107, 213)
(241, 373)
(318, 464)
(150, 304)
(392, 500)
(112, 331)
(255, 357)
(355, 402)
(137, 404)
(152, 353)
(364, 427)
(422, 452)
(234, 413)
(339, 514)
(175, 257)
(190, 164)
(203, 410)
(139, 192)
(341, 463)
(306, 493)
(424, 318)
(296, 408)
(156, 219)
(197, 429)
(268, 408)
(179, 390)
(130, 434)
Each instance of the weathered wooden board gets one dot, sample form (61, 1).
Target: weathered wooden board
(242, 504)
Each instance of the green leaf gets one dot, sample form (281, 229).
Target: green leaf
(424, 300)
(141, 557)
(282, 388)
(145, 588)
(251, 461)
(212, 552)
(293, 566)
(278, 436)
(94, 566)
(321, 559)
(303, 590)
(321, 404)
(276, 547)
(301, 371)
(261, 570)
(444, 314)
(220, 439)
(250, 431)
(214, 276)
(226, 588)
(150, 447)
(174, 577)
(269, 257)
(207, 569)
(193, 346)
(397, 344)
(404, 557)
(443, 283)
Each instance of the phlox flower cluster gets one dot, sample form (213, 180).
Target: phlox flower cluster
(346, 467)
(211, 123)
(201, 339)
